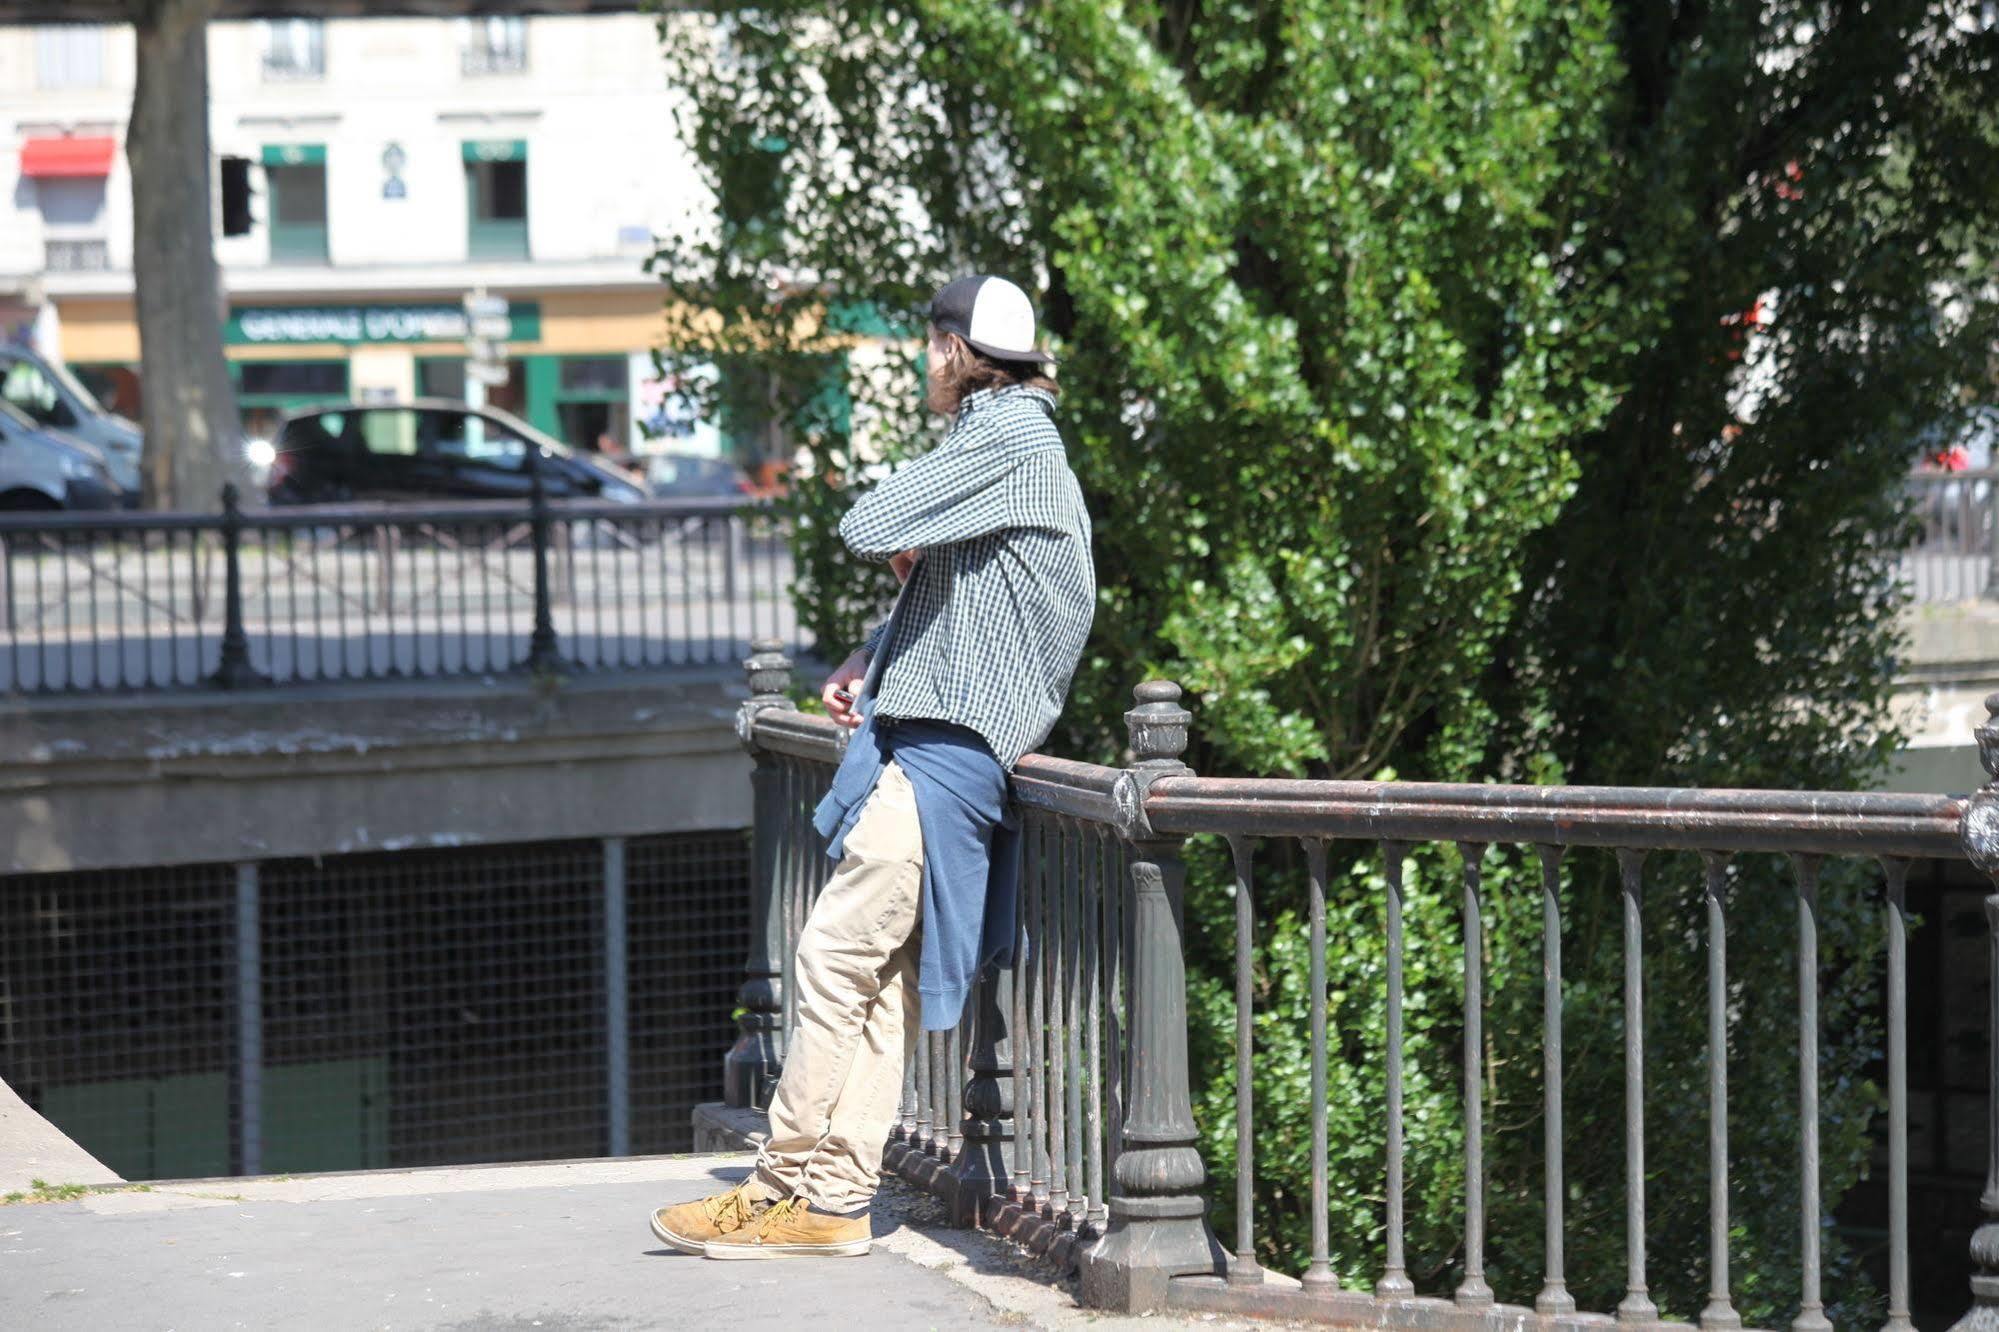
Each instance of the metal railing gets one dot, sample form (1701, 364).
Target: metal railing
(1060, 1113)
(114, 601)
(1954, 557)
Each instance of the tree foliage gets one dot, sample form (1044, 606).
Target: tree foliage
(1511, 391)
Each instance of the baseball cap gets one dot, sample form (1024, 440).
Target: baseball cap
(991, 314)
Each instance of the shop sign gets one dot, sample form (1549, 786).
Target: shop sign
(294, 154)
(276, 325)
(496, 150)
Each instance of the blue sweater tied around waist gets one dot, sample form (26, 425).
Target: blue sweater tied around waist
(971, 847)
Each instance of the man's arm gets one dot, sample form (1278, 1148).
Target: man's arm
(943, 497)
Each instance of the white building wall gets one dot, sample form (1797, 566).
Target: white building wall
(604, 165)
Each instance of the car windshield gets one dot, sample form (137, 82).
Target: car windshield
(74, 387)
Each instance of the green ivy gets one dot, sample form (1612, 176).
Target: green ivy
(1405, 366)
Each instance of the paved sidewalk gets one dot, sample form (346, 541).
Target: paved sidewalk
(504, 1247)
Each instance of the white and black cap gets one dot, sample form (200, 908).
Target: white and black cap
(991, 314)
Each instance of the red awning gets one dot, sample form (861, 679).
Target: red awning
(44, 159)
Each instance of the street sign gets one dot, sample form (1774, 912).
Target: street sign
(491, 328)
(478, 305)
(486, 372)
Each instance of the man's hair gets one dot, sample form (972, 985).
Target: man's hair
(963, 370)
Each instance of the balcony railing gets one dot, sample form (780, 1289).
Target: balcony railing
(481, 60)
(113, 601)
(1060, 1113)
(76, 256)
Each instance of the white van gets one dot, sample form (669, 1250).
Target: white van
(44, 469)
(48, 393)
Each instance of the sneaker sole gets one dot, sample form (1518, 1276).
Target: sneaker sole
(845, 1249)
(680, 1242)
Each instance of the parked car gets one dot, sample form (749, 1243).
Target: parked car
(427, 449)
(693, 476)
(46, 469)
(53, 397)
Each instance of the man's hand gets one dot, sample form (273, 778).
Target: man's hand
(841, 686)
(904, 564)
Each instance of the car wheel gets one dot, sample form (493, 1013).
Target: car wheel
(27, 501)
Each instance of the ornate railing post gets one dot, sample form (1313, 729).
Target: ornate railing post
(982, 1168)
(1158, 1223)
(234, 670)
(1979, 829)
(544, 658)
(750, 1069)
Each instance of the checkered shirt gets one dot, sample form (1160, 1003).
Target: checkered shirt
(988, 630)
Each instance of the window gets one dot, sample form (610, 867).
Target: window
(73, 224)
(593, 402)
(496, 199)
(493, 45)
(26, 387)
(463, 435)
(292, 380)
(294, 49)
(70, 55)
(295, 179)
(389, 433)
(403, 432)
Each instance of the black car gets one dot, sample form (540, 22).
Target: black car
(428, 449)
(688, 476)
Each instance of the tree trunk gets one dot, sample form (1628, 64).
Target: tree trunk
(192, 429)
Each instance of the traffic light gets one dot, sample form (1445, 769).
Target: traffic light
(235, 196)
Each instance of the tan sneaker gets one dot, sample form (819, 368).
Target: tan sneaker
(791, 1229)
(689, 1226)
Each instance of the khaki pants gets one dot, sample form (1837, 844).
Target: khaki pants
(857, 1012)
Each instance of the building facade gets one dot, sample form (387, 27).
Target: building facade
(392, 167)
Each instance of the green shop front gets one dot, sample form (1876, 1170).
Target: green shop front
(287, 357)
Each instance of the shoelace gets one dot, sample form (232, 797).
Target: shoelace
(734, 1205)
(777, 1213)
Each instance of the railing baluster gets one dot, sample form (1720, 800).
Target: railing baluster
(922, 1139)
(1038, 1005)
(1116, 886)
(1072, 1001)
(1158, 1224)
(749, 1070)
(1720, 1312)
(1319, 1278)
(1093, 943)
(1473, 1290)
(979, 1168)
(1244, 1269)
(1897, 871)
(1554, 1298)
(1021, 1034)
(792, 779)
(906, 1116)
(1051, 972)
(1394, 1283)
(1636, 1306)
(1811, 1311)
(954, 1082)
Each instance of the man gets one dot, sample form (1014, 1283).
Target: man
(991, 541)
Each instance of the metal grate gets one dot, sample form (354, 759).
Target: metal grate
(434, 1007)
(117, 1011)
(689, 927)
(384, 1009)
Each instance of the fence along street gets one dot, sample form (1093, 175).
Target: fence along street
(107, 602)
